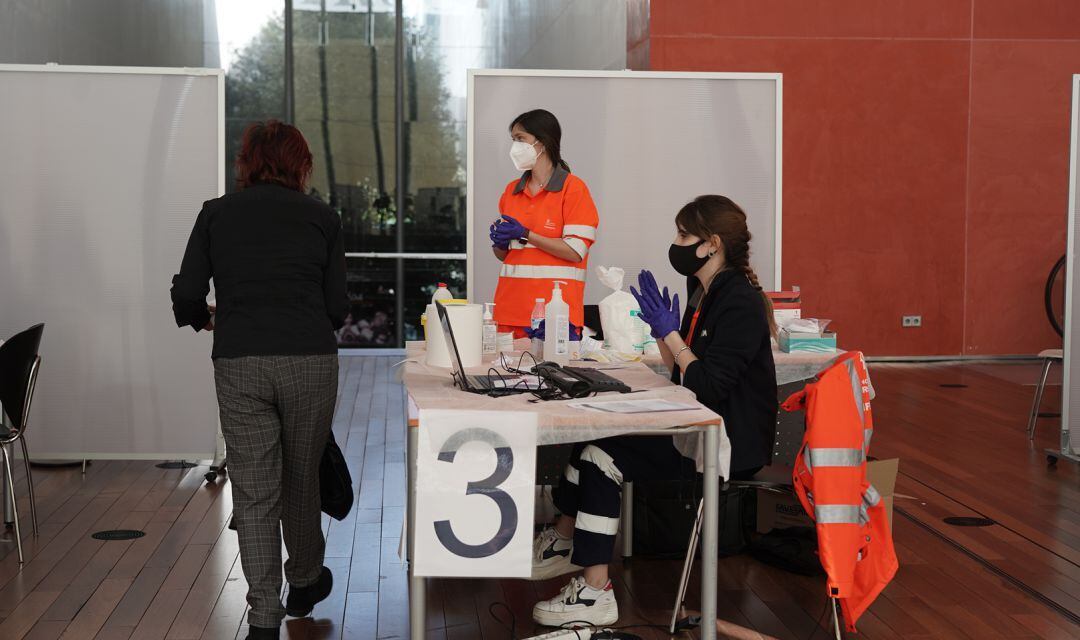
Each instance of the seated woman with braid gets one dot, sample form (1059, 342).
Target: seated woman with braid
(720, 349)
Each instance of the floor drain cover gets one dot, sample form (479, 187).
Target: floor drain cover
(953, 385)
(969, 522)
(118, 534)
(178, 464)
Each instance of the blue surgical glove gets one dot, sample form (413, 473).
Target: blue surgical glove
(496, 240)
(508, 229)
(658, 309)
(539, 332)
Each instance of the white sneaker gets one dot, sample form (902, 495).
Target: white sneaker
(578, 603)
(551, 555)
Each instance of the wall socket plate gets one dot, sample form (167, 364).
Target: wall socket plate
(910, 321)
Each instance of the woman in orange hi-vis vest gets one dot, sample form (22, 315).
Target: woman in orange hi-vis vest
(546, 227)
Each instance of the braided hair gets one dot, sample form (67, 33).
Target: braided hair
(711, 215)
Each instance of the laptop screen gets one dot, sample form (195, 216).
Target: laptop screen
(448, 331)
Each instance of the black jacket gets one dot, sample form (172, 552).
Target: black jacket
(277, 259)
(734, 374)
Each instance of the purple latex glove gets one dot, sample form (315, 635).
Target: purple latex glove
(659, 310)
(538, 333)
(508, 229)
(496, 240)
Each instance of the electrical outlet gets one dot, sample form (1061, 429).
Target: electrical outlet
(911, 321)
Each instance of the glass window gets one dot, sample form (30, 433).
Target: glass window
(251, 36)
(372, 316)
(373, 294)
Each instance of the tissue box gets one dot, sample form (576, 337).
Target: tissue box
(803, 342)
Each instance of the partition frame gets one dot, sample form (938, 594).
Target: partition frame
(1069, 449)
(53, 67)
(778, 78)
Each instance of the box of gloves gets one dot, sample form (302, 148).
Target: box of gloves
(787, 305)
(806, 335)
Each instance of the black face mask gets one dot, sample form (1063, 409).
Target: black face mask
(685, 260)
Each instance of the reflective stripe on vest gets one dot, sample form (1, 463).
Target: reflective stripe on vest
(542, 271)
(866, 435)
(578, 245)
(871, 498)
(856, 389)
(824, 457)
(579, 230)
(847, 513)
(839, 514)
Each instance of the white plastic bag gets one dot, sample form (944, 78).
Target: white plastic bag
(618, 314)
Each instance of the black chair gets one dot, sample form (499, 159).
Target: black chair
(19, 366)
(776, 478)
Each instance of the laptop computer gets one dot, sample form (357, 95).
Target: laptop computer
(488, 385)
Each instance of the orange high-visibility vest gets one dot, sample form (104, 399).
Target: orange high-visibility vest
(562, 209)
(854, 540)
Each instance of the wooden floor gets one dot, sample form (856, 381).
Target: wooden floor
(963, 452)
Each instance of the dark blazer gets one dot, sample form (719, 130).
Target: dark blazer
(277, 259)
(734, 374)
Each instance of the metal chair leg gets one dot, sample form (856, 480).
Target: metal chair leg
(691, 552)
(14, 506)
(30, 483)
(1034, 417)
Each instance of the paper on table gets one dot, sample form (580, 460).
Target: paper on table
(633, 406)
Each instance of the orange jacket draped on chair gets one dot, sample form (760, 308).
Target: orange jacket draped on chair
(854, 540)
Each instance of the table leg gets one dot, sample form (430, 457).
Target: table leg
(710, 534)
(627, 519)
(417, 600)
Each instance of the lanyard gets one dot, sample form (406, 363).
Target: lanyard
(693, 324)
(697, 312)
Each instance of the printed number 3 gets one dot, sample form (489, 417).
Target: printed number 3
(508, 515)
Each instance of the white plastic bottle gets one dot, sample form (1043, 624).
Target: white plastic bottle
(442, 293)
(537, 317)
(557, 328)
(491, 330)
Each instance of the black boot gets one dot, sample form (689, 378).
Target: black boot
(302, 600)
(263, 633)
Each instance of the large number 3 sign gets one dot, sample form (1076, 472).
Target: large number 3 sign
(488, 487)
(467, 463)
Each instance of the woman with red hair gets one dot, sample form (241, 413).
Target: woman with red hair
(277, 260)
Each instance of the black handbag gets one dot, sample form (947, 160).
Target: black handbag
(335, 482)
(793, 549)
(665, 510)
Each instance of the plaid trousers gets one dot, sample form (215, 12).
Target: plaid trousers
(276, 413)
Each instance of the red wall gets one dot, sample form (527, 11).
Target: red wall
(925, 156)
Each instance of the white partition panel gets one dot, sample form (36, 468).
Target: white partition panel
(1070, 411)
(102, 174)
(646, 143)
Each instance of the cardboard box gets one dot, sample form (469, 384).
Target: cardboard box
(807, 342)
(779, 510)
(882, 474)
